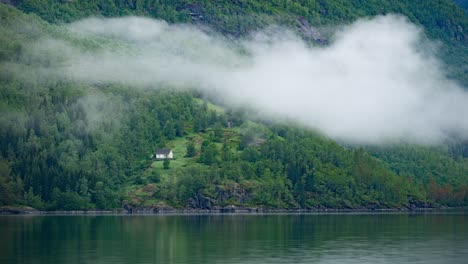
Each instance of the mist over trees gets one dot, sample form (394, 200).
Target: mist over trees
(442, 20)
(68, 145)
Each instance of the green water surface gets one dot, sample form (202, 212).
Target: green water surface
(307, 238)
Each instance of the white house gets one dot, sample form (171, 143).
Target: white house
(164, 154)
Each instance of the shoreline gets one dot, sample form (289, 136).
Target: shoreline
(221, 211)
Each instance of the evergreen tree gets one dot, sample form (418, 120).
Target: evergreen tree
(191, 151)
(166, 164)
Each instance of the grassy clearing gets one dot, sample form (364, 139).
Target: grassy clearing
(211, 107)
(179, 149)
(143, 194)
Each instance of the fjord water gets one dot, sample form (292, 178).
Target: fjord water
(304, 238)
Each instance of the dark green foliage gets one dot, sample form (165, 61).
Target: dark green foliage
(7, 194)
(104, 198)
(154, 177)
(169, 130)
(69, 200)
(166, 164)
(33, 200)
(462, 3)
(441, 19)
(209, 154)
(191, 150)
(226, 153)
(218, 132)
(71, 146)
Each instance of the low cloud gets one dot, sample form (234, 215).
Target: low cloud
(376, 82)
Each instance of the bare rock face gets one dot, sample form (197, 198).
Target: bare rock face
(195, 11)
(200, 202)
(17, 210)
(233, 192)
(310, 32)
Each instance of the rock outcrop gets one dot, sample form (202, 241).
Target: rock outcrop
(310, 32)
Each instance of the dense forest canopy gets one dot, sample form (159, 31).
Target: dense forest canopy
(67, 145)
(462, 3)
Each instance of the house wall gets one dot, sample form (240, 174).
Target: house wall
(162, 156)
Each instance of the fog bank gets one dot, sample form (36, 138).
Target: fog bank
(375, 83)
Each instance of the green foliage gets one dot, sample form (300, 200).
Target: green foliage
(104, 197)
(191, 150)
(273, 191)
(69, 200)
(33, 200)
(154, 176)
(218, 132)
(209, 154)
(166, 164)
(462, 3)
(69, 146)
(11, 187)
(441, 19)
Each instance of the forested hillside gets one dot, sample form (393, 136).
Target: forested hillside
(442, 20)
(462, 3)
(70, 145)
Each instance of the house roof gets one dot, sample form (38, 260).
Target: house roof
(163, 151)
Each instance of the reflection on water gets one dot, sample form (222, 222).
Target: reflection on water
(319, 238)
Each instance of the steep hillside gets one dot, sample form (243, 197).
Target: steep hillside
(442, 20)
(463, 4)
(69, 145)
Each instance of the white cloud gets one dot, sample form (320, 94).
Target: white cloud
(373, 84)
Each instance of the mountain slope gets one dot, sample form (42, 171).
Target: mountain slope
(462, 3)
(70, 145)
(442, 20)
